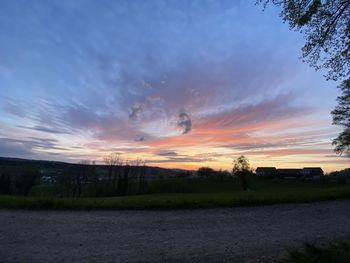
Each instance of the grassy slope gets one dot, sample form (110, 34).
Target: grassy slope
(191, 194)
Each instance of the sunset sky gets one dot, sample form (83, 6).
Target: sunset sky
(179, 84)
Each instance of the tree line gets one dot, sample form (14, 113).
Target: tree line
(119, 174)
(117, 177)
(18, 181)
(86, 178)
(241, 170)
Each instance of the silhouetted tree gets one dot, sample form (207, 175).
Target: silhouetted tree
(26, 179)
(241, 169)
(94, 177)
(221, 175)
(5, 182)
(326, 27)
(184, 174)
(341, 116)
(125, 180)
(206, 172)
(65, 182)
(114, 164)
(143, 184)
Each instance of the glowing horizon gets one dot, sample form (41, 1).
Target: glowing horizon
(177, 84)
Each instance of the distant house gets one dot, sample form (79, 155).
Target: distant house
(293, 173)
(289, 173)
(311, 172)
(266, 172)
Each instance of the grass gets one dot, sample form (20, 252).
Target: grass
(183, 185)
(197, 194)
(335, 253)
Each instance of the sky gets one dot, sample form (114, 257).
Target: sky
(176, 83)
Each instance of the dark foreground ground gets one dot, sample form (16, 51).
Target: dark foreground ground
(251, 234)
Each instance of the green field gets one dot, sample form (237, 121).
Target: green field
(187, 193)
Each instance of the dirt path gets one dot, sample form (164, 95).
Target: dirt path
(211, 235)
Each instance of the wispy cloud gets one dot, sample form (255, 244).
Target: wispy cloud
(172, 82)
(185, 122)
(45, 129)
(166, 153)
(27, 148)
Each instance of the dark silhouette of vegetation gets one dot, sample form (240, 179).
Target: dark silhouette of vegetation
(125, 180)
(209, 173)
(324, 179)
(86, 179)
(341, 177)
(5, 182)
(214, 189)
(185, 174)
(114, 163)
(65, 183)
(336, 253)
(341, 116)
(26, 180)
(326, 27)
(241, 169)
(143, 183)
(93, 178)
(18, 180)
(112, 179)
(195, 194)
(205, 172)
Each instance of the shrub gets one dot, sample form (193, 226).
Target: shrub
(341, 180)
(25, 180)
(206, 172)
(339, 253)
(5, 183)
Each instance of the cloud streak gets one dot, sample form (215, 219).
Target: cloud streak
(184, 122)
(173, 82)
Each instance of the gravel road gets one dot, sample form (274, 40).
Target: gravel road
(250, 234)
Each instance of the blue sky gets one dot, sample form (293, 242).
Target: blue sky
(176, 83)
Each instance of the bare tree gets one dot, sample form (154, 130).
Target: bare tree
(125, 180)
(121, 172)
(141, 165)
(112, 161)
